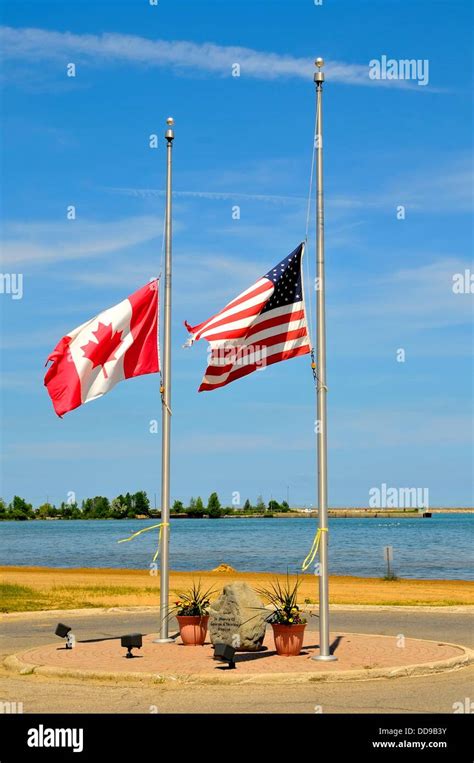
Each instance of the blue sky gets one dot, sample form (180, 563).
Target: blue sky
(244, 140)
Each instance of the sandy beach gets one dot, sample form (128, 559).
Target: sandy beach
(41, 588)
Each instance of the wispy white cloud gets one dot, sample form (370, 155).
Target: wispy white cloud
(235, 442)
(40, 243)
(19, 380)
(181, 56)
(401, 428)
(446, 187)
(189, 269)
(220, 264)
(65, 450)
(410, 308)
(423, 295)
(123, 274)
(229, 443)
(145, 193)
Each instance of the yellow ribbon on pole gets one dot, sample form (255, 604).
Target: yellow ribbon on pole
(314, 549)
(144, 530)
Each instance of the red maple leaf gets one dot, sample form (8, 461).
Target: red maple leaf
(103, 350)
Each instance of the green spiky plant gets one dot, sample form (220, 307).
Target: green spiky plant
(283, 599)
(194, 602)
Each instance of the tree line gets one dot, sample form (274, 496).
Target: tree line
(132, 506)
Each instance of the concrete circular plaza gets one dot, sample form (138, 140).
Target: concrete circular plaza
(359, 657)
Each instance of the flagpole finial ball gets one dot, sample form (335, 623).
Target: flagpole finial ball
(170, 121)
(319, 62)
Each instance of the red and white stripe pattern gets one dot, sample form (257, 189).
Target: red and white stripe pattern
(117, 344)
(263, 325)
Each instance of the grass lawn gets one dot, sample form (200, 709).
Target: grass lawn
(39, 588)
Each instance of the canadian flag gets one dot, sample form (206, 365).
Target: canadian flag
(117, 344)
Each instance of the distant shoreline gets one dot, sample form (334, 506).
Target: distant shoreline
(349, 513)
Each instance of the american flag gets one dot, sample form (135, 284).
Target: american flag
(263, 325)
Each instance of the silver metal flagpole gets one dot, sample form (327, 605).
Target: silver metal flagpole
(321, 436)
(166, 403)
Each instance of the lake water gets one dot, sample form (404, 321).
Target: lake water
(440, 547)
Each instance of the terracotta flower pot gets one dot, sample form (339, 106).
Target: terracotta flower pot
(193, 629)
(288, 639)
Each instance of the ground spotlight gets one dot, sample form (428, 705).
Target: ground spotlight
(225, 653)
(64, 631)
(132, 641)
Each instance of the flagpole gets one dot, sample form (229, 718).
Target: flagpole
(321, 436)
(166, 403)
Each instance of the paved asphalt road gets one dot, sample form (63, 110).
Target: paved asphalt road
(455, 627)
(435, 693)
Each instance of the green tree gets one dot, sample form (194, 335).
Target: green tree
(273, 506)
(17, 515)
(3, 509)
(20, 509)
(141, 503)
(87, 507)
(178, 507)
(101, 507)
(129, 501)
(285, 506)
(46, 510)
(260, 505)
(118, 508)
(196, 508)
(96, 508)
(68, 511)
(247, 505)
(126, 509)
(214, 508)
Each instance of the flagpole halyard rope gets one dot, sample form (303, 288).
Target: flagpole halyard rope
(314, 549)
(163, 236)
(145, 530)
(158, 325)
(162, 393)
(308, 213)
(308, 208)
(309, 301)
(162, 245)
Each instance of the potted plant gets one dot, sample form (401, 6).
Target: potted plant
(192, 614)
(286, 621)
